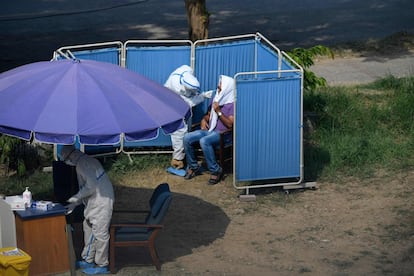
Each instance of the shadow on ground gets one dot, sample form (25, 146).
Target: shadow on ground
(190, 223)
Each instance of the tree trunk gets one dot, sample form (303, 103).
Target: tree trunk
(198, 19)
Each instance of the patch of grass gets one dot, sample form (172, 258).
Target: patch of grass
(39, 183)
(357, 133)
(120, 165)
(138, 162)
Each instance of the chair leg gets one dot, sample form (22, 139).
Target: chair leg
(112, 260)
(154, 256)
(112, 253)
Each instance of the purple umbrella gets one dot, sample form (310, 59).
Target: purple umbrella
(98, 103)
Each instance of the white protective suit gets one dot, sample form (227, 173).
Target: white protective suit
(183, 82)
(97, 194)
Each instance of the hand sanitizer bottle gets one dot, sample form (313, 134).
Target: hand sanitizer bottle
(27, 197)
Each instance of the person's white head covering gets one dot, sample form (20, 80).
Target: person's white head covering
(225, 96)
(70, 155)
(182, 81)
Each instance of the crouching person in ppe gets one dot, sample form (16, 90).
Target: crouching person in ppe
(96, 193)
(183, 82)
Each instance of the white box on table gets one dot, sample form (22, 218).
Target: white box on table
(43, 205)
(16, 202)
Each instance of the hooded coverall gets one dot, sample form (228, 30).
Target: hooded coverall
(96, 193)
(183, 82)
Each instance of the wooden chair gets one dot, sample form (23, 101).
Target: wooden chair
(224, 152)
(142, 234)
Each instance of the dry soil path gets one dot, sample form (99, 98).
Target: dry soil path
(348, 70)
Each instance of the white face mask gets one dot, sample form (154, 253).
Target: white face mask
(188, 92)
(69, 162)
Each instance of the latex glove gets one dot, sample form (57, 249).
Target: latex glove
(207, 94)
(72, 200)
(69, 208)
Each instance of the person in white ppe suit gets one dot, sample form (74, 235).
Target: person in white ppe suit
(97, 194)
(183, 82)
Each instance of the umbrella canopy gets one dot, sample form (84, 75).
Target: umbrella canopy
(98, 103)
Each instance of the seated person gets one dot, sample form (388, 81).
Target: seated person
(219, 118)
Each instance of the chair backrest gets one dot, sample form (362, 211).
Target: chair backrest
(227, 138)
(159, 204)
(164, 187)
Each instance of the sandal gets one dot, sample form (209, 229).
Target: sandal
(191, 173)
(215, 177)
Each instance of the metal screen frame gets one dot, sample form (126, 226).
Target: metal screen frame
(92, 52)
(266, 61)
(264, 179)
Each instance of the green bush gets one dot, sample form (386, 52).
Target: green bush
(18, 155)
(362, 130)
(40, 184)
(305, 57)
(121, 164)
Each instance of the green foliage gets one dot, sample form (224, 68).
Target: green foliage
(401, 108)
(18, 155)
(39, 183)
(362, 131)
(305, 58)
(7, 144)
(121, 164)
(401, 102)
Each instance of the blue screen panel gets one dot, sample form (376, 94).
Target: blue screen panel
(157, 63)
(267, 129)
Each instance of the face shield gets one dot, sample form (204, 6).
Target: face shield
(189, 85)
(188, 91)
(65, 153)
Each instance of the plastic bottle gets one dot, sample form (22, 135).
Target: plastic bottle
(27, 197)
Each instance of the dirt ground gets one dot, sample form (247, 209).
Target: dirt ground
(349, 228)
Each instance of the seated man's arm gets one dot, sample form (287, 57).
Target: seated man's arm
(204, 124)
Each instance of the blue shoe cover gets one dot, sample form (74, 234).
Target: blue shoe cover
(96, 270)
(84, 264)
(179, 172)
